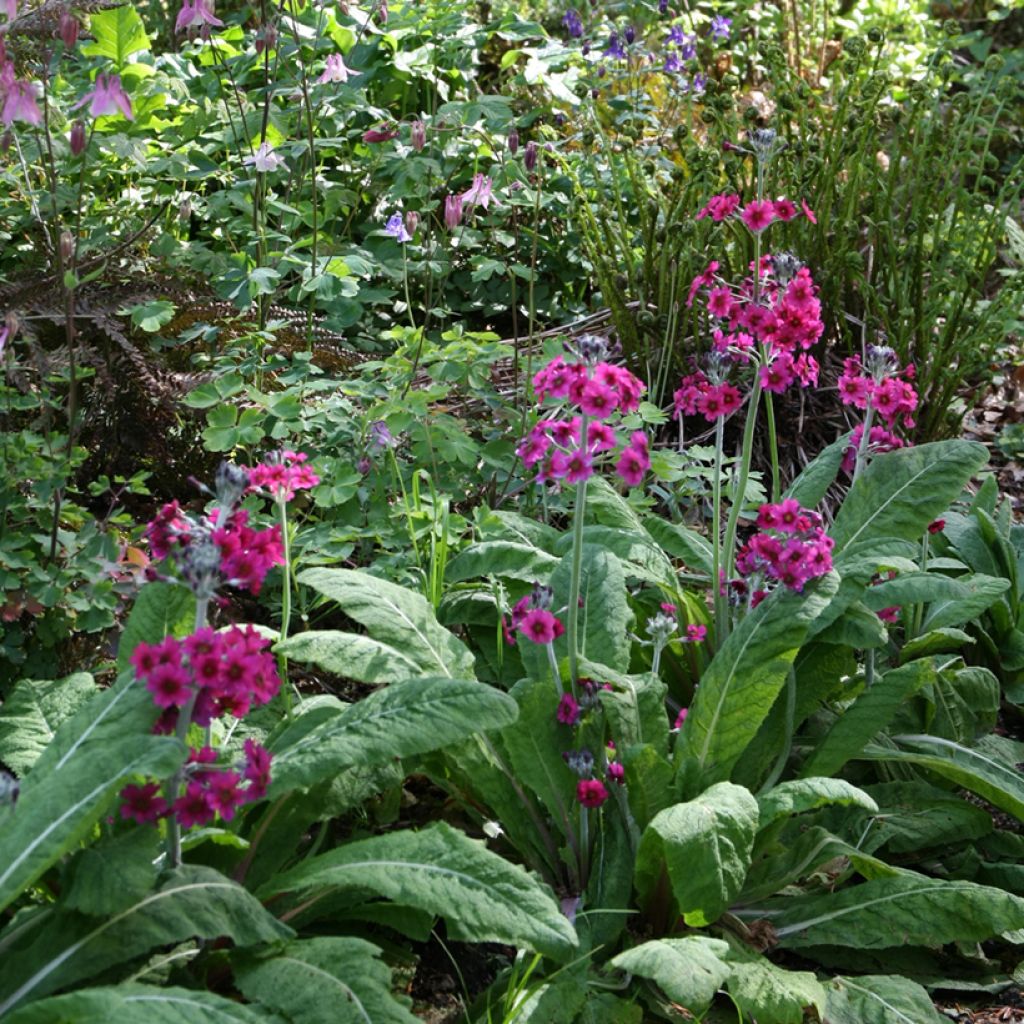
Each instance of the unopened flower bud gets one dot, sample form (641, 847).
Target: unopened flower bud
(419, 136)
(68, 30)
(67, 246)
(266, 38)
(380, 16)
(78, 138)
(513, 142)
(230, 484)
(530, 157)
(412, 221)
(630, 34)
(185, 210)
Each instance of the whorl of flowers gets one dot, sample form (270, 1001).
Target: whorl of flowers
(791, 548)
(282, 474)
(588, 390)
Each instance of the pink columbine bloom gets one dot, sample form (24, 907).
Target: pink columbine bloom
(335, 70)
(382, 133)
(20, 105)
(106, 97)
(452, 211)
(265, 159)
(196, 12)
(479, 193)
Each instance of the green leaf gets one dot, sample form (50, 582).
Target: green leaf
(879, 999)
(704, 846)
(635, 706)
(117, 33)
(799, 795)
(901, 492)
(113, 874)
(900, 910)
(771, 993)
(952, 601)
(557, 1002)
(640, 555)
(990, 778)
(869, 714)
(501, 558)
(689, 970)
(348, 655)
(137, 1004)
(482, 897)
(159, 610)
(410, 717)
(740, 685)
(682, 542)
(75, 780)
(192, 901)
(913, 816)
(32, 712)
(819, 474)
(151, 316)
(324, 981)
(395, 616)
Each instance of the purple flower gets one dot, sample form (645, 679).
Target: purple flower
(673, 64)
(573, 23)
(479, 193)
(20, 105)
(663, 6)
(195, 12)
(699, 84)
(686, 43)
(265, 159)
(452, 211)
(335, 70)
(720, 27)
(107, 96)
(380, 436)
(630, 35)
(615, 48)
(395, 227)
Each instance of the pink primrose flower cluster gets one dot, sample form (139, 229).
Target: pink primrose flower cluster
(283, 475)
(791, 548)
(600, 392)
(758, 214)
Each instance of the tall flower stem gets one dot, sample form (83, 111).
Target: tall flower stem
(286, 606)
(716, 530)
(773, 445)
(584, 847)
(865, 441)
(173, 788)
(573, 611)
(555, 673)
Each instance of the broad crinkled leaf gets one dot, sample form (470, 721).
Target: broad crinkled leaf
(879, 999)
(137, 1004)
(104, 745)
(349, 656)
(398, 617)
(191, 901)
(704, 845)
(159, 610)
(31, 713)
(904, 909)
(901, 492)
(799, 795)
(682, 542)
(771, 993)
(869, 714)
(329, 980)
(689, 970)
(743, 680)
(481, 896)
(407, 718)
(501, 558)
(819, 474)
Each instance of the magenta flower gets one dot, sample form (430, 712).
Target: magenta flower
(785, 209)
(568, 710)
(616, 772)
(598, 400)
(696, 634)
(143, 804)
(591, 792)
(170, 685)
(195, 807)
(681, 718)
(382, 133)
(632, 465)
(758, 214)
(20, 105)
(540, 626)
(196, 12)
(808, 212)
(106, 97)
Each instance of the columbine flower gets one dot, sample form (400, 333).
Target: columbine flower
(107, 96)
(195, 12)
(479, 193)
(573, 23)
(335, 70)
(382, 133)
(265, 159)
(395, 227)
(20, 105)
(452, 211)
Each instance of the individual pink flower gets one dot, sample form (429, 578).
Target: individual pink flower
(696, 633)
(568, 710)
(479, 193)
(195, 12)
(808, 212)
(106, 97)
(335, 70)
(143, 804)
(194, 807)
(632, 466)
(785, 209)
(591, 792)
(257, 769)
(681, 718)
(720, 302)
(170, 685)
(598, 400)
(601, 438)
(540, 626)
(224, 792)
(20, 105)
(452, 211)
(758, 214)
(616, 772)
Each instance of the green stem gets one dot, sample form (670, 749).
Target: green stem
(790, 728)
(572, 612)
(286, 607)
(173, 788)
(773, 445)
(555, 673)
(405, 284)
(716, 529)
(584, 847)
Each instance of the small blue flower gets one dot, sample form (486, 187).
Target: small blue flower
(673, 64)
(395, 227)
(615, 49)
(720, 27)
(573, 23)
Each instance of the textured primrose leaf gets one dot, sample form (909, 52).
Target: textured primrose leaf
(689, 970)
(771, 993)
(349, 655)
(879, 999)
(159, 610)
(799, 795)
(395, 616)
(410, 717)
(501, 558)
(481, 896)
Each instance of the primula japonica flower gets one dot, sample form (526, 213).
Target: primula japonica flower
(265, 159)
(106, 97)
(591, 792)
(195, 12)
(681, 718)
(758, 214)
(882, 384)
(568, 710)
(540, 626)
(282, 474)
(335, 70)
(879, 440)
(395, 227)
(143, 804)
(937, 526)
(802, 552)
